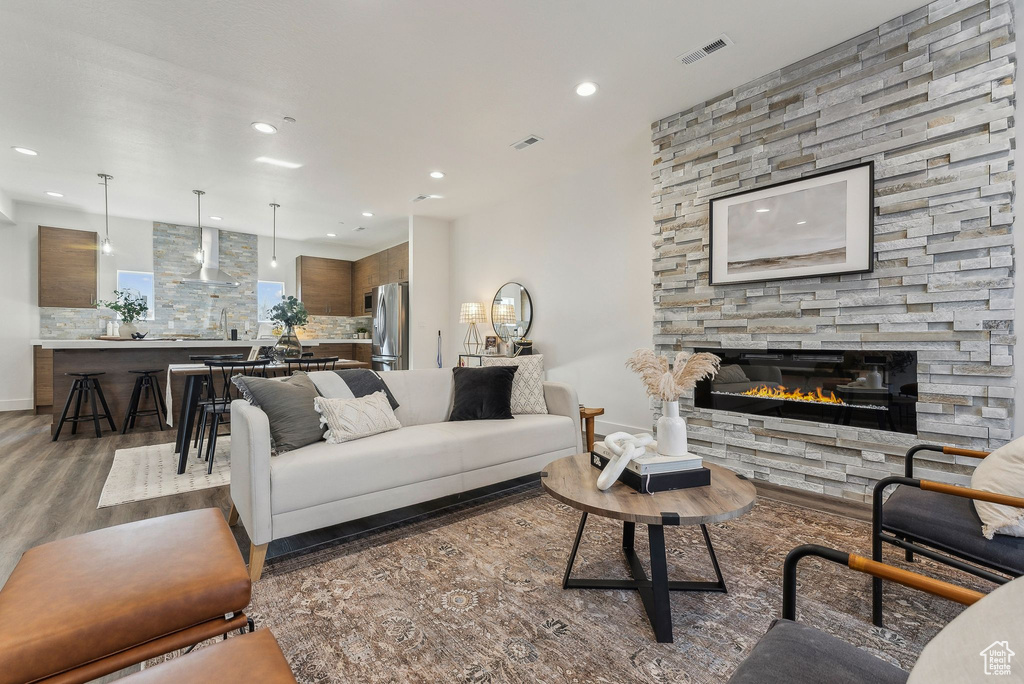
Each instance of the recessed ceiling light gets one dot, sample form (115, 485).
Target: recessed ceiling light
(586, 89)
(264, 127)
(763, 211)
(216, 218)
(289, 119)
(25, 150)
(800, 223)
(437, 174)
(278, 162)
(367, 214)
(332, 235)
(435, 196)
(51, 193)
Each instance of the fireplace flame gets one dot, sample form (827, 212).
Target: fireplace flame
(780, 392)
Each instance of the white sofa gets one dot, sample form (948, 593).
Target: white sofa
(325, 484)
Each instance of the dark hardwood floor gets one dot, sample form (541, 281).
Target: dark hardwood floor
(49, 490)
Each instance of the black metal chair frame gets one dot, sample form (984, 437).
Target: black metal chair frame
(220, 405)
(147, 382)
(86, 387)
(940, 553)
(308, 363)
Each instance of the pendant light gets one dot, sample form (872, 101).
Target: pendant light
(106, 247)
(200, 257)
(273, 259)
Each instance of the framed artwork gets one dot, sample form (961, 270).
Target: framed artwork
(491, 344)
(812, 226)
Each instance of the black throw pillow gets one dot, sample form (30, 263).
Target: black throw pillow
(483, 393)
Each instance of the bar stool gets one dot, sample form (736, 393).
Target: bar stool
(85, 387)
(145, 383)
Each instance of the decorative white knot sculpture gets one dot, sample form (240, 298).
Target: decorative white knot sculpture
(624, 448)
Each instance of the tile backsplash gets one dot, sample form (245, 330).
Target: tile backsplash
(195, 309)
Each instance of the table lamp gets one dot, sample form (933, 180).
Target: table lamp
(472, 313)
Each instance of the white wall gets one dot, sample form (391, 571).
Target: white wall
(582, 247)
(429, 290)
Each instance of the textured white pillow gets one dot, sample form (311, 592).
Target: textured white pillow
(349, 419)
(528, 385)
(1001, 472)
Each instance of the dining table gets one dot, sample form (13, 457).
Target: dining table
(195, 376)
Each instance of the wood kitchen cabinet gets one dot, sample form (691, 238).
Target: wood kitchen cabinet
(324, 285)
(362, 352)
(365, 277)
(67, 267)
(398, 263)
(342, 351)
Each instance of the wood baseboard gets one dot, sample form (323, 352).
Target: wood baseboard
(857, 510)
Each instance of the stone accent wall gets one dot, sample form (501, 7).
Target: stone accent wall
(195, 309)
(929, 97)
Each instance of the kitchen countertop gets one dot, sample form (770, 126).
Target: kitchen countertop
(171, 343)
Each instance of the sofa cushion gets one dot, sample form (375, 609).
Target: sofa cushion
(1001, 472)
(483, 393)
(484, 443)
(322, 472)
(792, 653)
(528, 385)
(288, 403)
(425, 395)
(351, 382)
(355, 418)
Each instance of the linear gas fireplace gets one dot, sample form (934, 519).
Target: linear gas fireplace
(870, 389)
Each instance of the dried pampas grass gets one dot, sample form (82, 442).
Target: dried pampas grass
(669, 384)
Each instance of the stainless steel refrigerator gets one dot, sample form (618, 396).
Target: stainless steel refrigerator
(391, 327)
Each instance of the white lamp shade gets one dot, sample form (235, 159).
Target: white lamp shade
(504, 314)
(472, 312)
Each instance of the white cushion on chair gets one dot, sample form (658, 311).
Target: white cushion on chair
(1001, 472)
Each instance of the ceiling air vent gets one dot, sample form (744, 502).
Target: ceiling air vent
(526, 142)
(700, 53)
(420, 198)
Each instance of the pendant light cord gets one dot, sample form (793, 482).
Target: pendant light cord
(199, 220)
(275, 205)
(106, 213)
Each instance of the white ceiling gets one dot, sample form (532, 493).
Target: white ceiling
(161, 95)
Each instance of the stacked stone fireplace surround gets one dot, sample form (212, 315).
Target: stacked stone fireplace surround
(929, 96)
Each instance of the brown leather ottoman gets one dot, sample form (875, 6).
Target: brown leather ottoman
(246, 659)
(79, 608)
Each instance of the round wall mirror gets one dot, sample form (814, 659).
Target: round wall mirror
(512, 312)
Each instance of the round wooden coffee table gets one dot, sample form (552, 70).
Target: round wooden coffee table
(573, 481)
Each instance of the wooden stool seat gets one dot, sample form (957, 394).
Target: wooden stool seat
(245, 659)
(82, 607)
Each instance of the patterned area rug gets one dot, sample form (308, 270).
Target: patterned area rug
(475, 596)
(149, 472)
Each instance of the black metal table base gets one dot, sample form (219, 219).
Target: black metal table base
(654, 590)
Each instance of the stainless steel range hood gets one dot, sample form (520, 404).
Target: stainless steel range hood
(209, 273)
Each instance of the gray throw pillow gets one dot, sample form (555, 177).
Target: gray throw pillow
(288, 404)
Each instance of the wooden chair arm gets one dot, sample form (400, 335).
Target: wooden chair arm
(969, 493)
(914, 580)
(957, 451)
(869, 567)
(908, 468)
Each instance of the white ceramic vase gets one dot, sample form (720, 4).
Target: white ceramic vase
(671, 430)
(126, 330)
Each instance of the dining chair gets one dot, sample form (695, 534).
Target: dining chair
(213, 410)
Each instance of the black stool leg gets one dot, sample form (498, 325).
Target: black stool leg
(213, 443)
(80, 392)
(94, 403)
(64, 413)
(156, 402)
(106, 409)
(133, 405)
(160, 397)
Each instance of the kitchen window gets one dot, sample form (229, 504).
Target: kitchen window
(269, 293)
(141, 283)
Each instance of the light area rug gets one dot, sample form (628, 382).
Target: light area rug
(149, 472)
(475, 595)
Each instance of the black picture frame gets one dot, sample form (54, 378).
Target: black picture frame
(868, 244)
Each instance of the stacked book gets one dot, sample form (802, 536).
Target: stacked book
(653, 472)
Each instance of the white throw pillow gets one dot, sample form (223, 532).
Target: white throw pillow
(528, 385)
(349, 419)
(1001, 472)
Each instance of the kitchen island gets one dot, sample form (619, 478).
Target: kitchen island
(52, 359)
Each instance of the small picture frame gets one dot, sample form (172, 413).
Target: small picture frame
(491, 344)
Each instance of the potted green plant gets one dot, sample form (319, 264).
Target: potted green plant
(130, 306)
(290, 313)
(361, 333)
